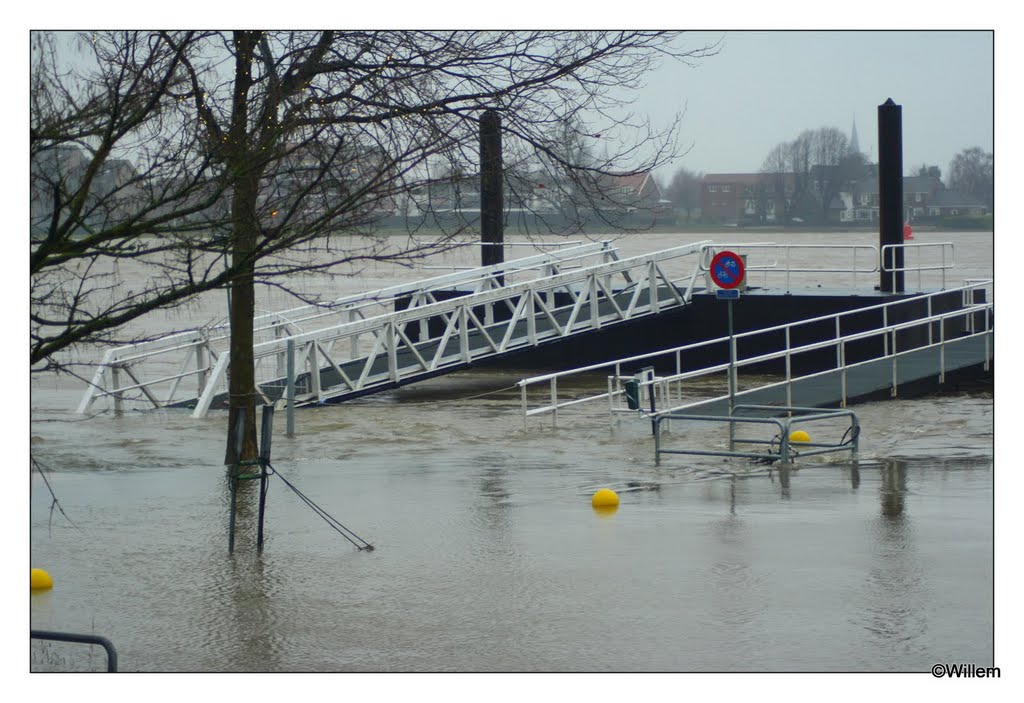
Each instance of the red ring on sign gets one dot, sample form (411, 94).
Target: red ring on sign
(727, 270)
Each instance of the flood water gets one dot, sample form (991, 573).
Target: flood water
(488, 555)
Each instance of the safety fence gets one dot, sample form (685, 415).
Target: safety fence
(925, 344)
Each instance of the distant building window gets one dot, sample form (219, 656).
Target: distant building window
(712, 189)
(726, 189)
(919, 197)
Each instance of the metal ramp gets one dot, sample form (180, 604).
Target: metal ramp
(383, 339)
(890, 356)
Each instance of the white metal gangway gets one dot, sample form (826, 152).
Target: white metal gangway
(945, 342)
(361, 344)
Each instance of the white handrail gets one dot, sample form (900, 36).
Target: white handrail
(354, 307)
(552, 378)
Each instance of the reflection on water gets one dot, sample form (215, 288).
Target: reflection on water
(893, 489)
(489, 556)
(486, 562)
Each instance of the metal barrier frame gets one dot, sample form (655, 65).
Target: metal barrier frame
(773, 267)
(784, 424)
(943, 266)
(80, 639)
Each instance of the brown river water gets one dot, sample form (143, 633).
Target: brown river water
(488, 556)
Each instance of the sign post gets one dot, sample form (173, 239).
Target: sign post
(728, 272)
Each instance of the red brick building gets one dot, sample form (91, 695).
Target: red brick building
(731, 198)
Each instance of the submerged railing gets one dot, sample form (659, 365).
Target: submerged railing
(76, 638)
(782, 447)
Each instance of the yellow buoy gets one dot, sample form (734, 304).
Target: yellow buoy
(605, 498)
(41, 580)
(799, 436)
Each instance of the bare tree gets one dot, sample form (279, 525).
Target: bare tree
(972, 172)
(684, 190)
(250, 149)
(829, 149)
(812, 170)
(926, 171)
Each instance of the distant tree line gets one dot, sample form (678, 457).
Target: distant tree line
(806, 176)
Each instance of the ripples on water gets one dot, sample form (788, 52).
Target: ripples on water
(488, 555)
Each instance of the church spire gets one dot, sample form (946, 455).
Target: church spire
(854, 144)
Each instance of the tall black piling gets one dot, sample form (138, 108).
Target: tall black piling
(890, 196)
(492, 208)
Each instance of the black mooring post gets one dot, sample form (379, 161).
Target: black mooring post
(890, 195)
(492, 208)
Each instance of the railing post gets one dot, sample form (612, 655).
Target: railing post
(885, 334)
(988, 340)
(652, 286)
(657, 440)
(942, 351)
(392, 339)
(115, 381)
(531, 316)
(290, 389)
(839, 336)
(201, 362)
(203, 405)
(97, 380)
(313, 364)
(842, 365)
(353, 339)
(789, 368)
(930, 322)
(280, 357)
(894, 357)
(554, 402)
(522, 399)
(463, 334)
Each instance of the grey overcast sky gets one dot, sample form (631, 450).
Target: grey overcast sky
(765, 87)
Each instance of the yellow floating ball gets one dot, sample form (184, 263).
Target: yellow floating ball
(799, 436)
(605, 498)
(41, 580)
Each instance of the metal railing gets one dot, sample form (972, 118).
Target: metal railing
(670, 388)
(197, 354)
(919, 251)
(784, 263)
(780, 446)
(474, 326)
(74, 638)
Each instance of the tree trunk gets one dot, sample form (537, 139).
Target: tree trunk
(246, 167)
(242, 381)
